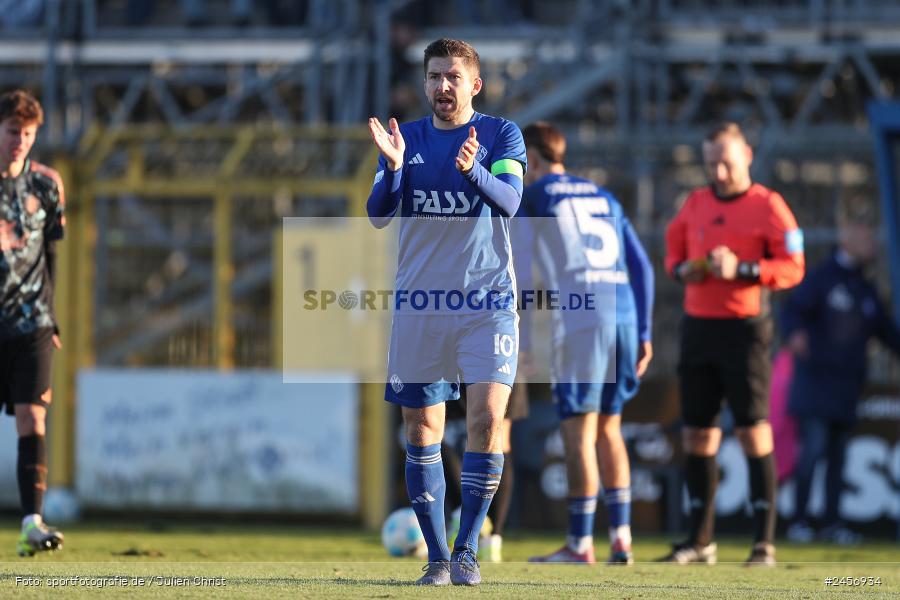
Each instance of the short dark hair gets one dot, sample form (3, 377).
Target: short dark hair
(450, 48)
(21, 106)
(547, 140)
(724, 128)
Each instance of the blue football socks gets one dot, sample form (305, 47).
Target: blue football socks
(618, 509)
(581, 523)
(426, 488)
(481, 473)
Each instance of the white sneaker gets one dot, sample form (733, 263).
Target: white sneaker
(37, 537)
(490, 549)
(684, 553)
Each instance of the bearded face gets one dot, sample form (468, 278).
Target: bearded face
(450, 86)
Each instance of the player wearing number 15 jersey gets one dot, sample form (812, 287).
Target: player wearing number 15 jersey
(587, 247)
(454, 178)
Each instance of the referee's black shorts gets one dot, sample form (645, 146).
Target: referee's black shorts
(725, 359)
(25, 369)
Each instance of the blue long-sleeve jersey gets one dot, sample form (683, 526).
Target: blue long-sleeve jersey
(454, 232)
(585, 244)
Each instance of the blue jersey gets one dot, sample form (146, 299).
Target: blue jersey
(453, 238)
(584, 244)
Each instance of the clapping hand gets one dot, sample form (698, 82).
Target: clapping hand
(465, 160)
(390, 144)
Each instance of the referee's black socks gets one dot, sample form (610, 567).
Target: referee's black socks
(702, 478)
(762, 496)
(31, 471)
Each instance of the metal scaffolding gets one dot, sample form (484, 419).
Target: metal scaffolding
(633, 85)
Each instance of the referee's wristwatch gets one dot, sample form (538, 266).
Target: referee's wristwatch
(748, 270)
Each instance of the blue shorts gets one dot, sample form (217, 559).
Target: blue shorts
(594, 371)
(431, 354)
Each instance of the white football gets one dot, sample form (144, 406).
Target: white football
(402, 536)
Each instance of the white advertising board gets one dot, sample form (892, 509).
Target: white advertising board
(9, 488)
(205, 440)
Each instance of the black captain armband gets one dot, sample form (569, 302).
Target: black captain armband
(748, 270)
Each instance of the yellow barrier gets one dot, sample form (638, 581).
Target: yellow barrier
(339, 255)
(158, 164)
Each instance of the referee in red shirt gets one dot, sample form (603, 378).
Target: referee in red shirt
(728, 241)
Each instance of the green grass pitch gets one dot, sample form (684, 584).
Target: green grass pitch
(304, 562)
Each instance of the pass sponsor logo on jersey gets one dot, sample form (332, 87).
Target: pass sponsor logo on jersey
(442, 203)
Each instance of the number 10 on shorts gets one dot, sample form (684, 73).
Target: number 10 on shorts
(504, 344)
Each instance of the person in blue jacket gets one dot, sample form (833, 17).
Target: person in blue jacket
(828, 322)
